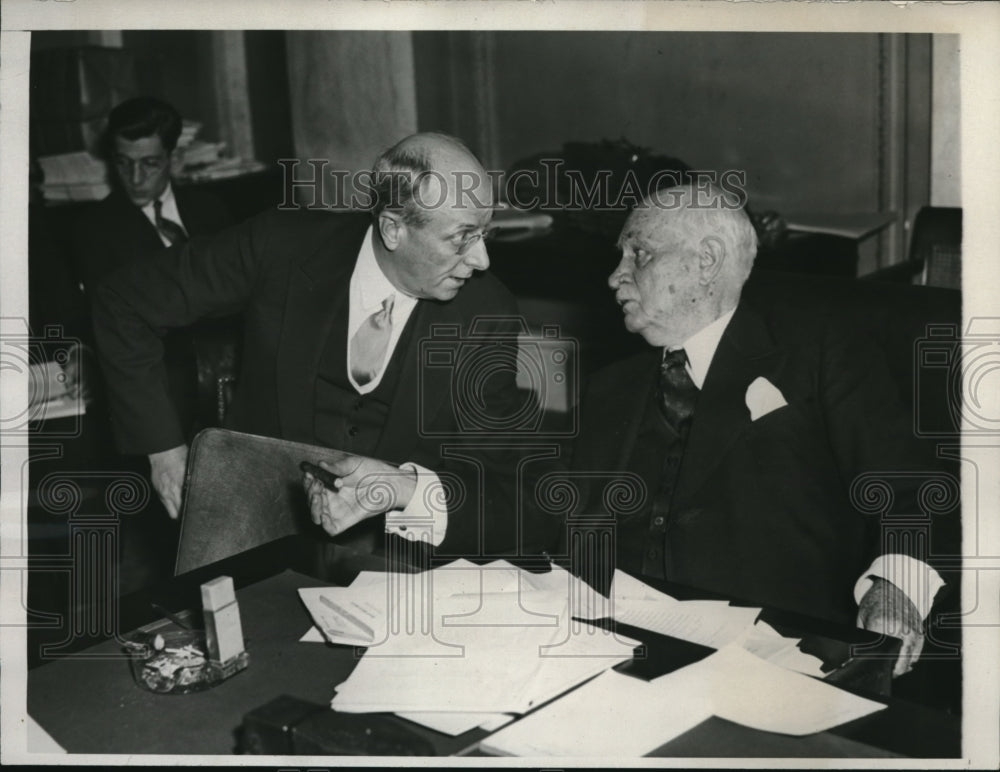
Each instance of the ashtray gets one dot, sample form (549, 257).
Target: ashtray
(172, 662)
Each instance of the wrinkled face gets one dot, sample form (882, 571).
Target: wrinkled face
(435, 259)
(657, 283)
(143, 167)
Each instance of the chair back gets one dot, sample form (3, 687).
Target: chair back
(936, 243)
(243, 490)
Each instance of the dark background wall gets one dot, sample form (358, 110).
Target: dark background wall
(831, 123)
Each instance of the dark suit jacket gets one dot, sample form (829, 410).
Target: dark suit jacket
(115, 233)
(281, 269)
(761, 509)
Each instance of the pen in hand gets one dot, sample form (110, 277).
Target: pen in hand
(329, 479)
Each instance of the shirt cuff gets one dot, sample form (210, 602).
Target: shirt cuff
(918, 581)
(425, 518)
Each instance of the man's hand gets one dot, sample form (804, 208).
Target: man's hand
(166, 469)
(886, 609)
(80, 371)
(366, 487)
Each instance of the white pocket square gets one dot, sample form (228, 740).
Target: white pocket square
(762, 398)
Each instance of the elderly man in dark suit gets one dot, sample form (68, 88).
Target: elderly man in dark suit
(747, 425)
(338, 308)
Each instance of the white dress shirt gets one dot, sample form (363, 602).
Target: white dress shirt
(915, 578)
(426, 516)
(168, 212)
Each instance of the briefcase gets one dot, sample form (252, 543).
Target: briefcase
(243, 490)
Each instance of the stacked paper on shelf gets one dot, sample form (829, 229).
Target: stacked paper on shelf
(618, 716)
(221, 169)
(198, 152)
(74, 177)
(460, 639)
(189, 130)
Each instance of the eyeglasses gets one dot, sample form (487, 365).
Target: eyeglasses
(148, 164)
(463, 241)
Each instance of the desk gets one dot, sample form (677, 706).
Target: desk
(90, 704)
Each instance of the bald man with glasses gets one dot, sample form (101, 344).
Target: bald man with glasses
(336, 308)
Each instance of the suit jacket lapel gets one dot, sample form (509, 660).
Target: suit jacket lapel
(616, 414)
(190, 215)
(745, 352)
(318, 290)
(135, 228)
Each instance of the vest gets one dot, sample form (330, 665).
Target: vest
(656, 458)
(345, 419)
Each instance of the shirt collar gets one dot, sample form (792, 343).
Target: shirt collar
(701, 346)
(372, 285)
(167, 199)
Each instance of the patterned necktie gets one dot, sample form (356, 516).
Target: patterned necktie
(172, 231)
(678, 393)
(370, 342)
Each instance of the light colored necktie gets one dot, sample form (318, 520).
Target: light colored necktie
(370, 342)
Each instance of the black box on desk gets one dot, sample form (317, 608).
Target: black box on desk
(267, 730)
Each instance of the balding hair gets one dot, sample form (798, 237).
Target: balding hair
(399, 172)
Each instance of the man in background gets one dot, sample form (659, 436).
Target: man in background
(144, 214)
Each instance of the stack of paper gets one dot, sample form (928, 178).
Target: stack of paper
(76, 176)
(189, 130)
(460, 639)
(199, 153)
(616, 716)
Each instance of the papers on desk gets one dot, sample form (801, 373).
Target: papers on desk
(707, 622)
(616, 715)
(462, 639)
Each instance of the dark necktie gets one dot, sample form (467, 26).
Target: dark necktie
(172, 231)
(678, 393)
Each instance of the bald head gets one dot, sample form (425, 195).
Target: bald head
(686, 253)
(432, 207)
(428, 171)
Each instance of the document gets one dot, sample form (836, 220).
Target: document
(617, 716)
(707, 623)
(768, 644)
(348, 615)
(749, 691)
(612, 716)
(457, 723)
(461, 639)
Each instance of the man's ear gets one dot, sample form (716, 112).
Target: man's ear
(390, 227)
(175, 159)
(711, 258)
